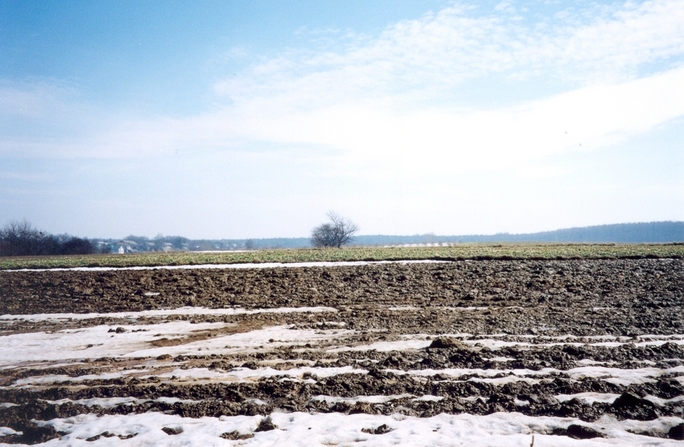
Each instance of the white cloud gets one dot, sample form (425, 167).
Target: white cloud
(439, 52)
(35, 99)
(585, 118)
(382, 98)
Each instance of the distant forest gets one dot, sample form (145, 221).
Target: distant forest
(654, 232)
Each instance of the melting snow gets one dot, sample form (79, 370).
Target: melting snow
(303, 429)
(589, 398)
(165, 313)
(111, 402)
(362, 399)
(97, 341)
(265, 265)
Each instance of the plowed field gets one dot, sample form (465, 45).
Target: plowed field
(488, 352)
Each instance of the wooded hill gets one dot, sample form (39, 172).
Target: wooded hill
(646, 232)
(654, 232)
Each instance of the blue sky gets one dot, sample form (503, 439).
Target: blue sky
(253, 119)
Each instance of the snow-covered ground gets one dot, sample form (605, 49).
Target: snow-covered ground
(302, 429)
(263, 265)
(185, 311)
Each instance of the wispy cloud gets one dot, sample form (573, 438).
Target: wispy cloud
(439, 52)
(583, 119)
(34, 98)
(387, 97)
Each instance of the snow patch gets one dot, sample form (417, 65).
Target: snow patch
(303, 429)
(264, 265)
(187, 311)
(138, 341)
(589, 398)
(361, 399)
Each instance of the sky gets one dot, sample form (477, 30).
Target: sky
(253, 119)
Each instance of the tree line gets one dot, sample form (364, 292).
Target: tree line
(20, 238)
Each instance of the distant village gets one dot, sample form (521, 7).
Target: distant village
(646, 232)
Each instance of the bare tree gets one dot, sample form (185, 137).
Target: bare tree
(336, 233)
(20, 238)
